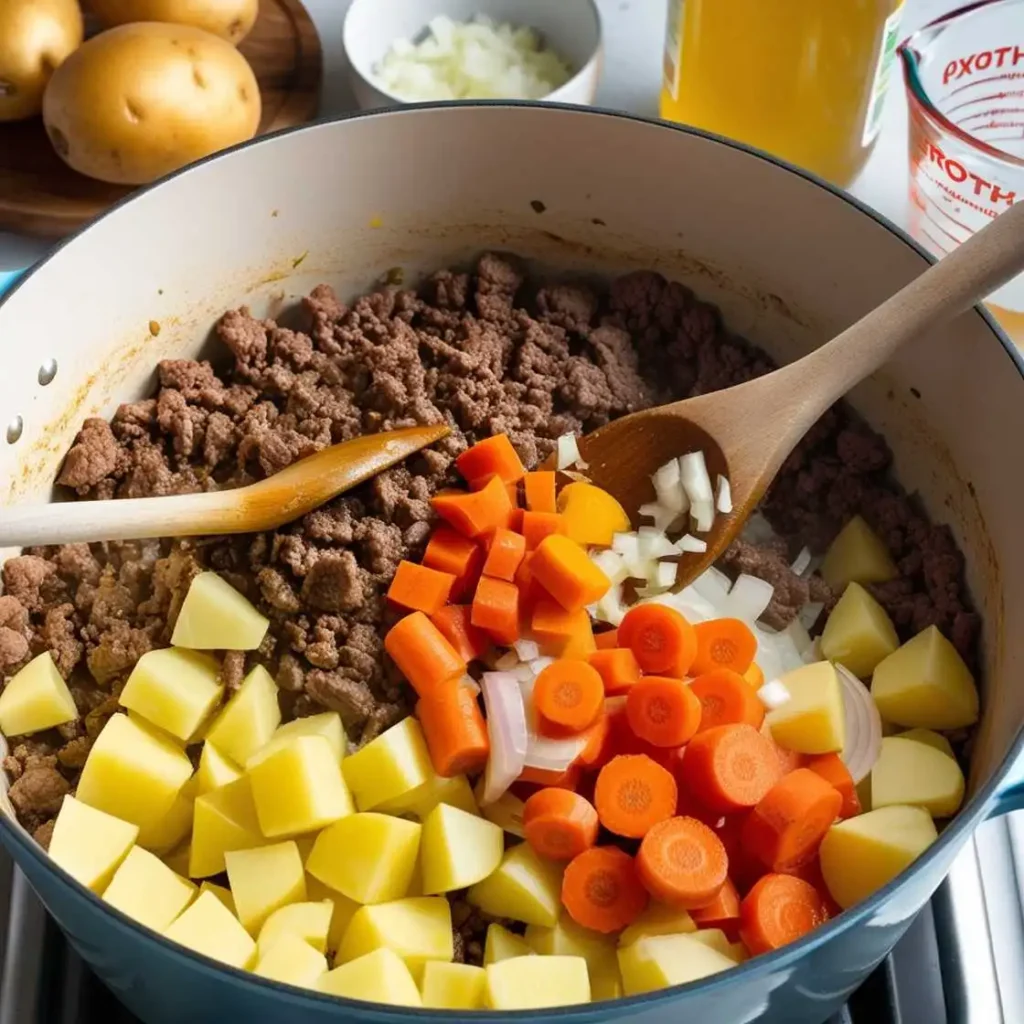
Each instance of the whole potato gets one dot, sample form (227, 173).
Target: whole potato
(230, 19)
(141, 100)
(35, 37)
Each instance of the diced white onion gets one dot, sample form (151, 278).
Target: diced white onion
(802, 562)
(697, 485)
(663, 516)
(689, 543)
(799, 635)
(654, 543)
(774, 694)
(553, 755)
(668, 486)
(863, 740)
(610, 608)
(569, 452)
(703, 515)
(776, 652)
(713, 585)
(612, 564)
(808, 615)
(506, 730)
(664, 575)
(507, 661)
(523, 672)
(750, 597)
(723, 497)
(627, 545)
(527, 650)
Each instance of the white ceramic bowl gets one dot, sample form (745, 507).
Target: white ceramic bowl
(570, 27)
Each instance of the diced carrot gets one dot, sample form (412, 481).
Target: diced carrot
(559, 824)
(539, 487)
(537, 526)
(662, 711)
(723, 643)
(566, 634)
(662, 640)
(682, 863)
(505, 552)
(592, 515)
(633, 793)
(579, 644)
(569, 693)
(744, 870)
(542, 777)
(601, 889)
(754, 676)
(618, 667)
(831, 768)
(730, 767)
(598, 736)
(622, 739)
(454, 622)
(495, 610)
(563, 569)
(811, 873)
(455, 731)
(789, 760)
(448, 551)
(607, 639)
(688, 804)
(422, 654)
(722, 912)
(726, 698)
(778, 910)
(477, 513)
(494, 456)
(419, 588)
(515, 522)
(789, 822)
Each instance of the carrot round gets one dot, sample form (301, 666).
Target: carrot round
(633, 793)
(682, 863)
(569, 693)
(453, 620)
(789, 822)
(562, 568)
(455, 731)
(539, 488)
(420, 588)
(664, 712)
(448, 551)
(559, 824)
(504, 554)
(495, 610)
(596, 752)
(601, 889)
(726, 698)
(723, 643)
(722, 912)
(663, 642)
(779, 909)
(831, 768)
(618, 667)
(422, 654)
(494, 456)
(730, 767)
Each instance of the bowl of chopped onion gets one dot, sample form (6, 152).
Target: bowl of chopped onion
(411, 51)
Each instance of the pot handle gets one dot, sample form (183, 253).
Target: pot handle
(7, 278)
(1010, 795)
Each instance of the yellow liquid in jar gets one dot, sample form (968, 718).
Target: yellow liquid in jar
(802, 79)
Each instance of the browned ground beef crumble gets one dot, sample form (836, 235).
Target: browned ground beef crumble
(481, 351)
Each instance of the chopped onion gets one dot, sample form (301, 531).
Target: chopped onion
(537, 665)
(714, 586)
(750, 597)
(627, 545)
(723, 497)
(569, 453)
(777, 653)
(553, 755)
(523, 672)
(527, 650)
(610, 608)
(693, 606)
(802, 562)
(668, 486)
(663, 516)
(664, 575)
(507, 661)
(613, 565)
(697, 484)
(506, 812)
(506, 729)
(808, 615)
(654, 543)
(799, 635)
(863, 740)
(689, 543)
(774, 694)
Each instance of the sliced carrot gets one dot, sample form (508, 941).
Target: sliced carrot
(455, 731)
(563, 569)
(539, 488)
(419, 588)
(495, 610)
(744, 870)
(618, 667)
(662, 640)
(730, 767)
(811, 873)
(789, 822)
(688, 805)
(754, 676)
(598, 745)
(789, 760)
(559, 824)
(831, 768)
(569, 693)
(494, 456)
(726, 698)
(477, 513)
(633, 793)
(607, 640)
(622, 739)
(722, 912)
(682, 863)
(542, 777)
(448, 551)
(453, 620)
(723, 643)
(504, 554)
(515, 522)
(537, 526)
(601, 889)
(665, 712)
(422, 654)
(778, 910)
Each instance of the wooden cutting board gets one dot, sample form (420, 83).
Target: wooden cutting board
(41, 195)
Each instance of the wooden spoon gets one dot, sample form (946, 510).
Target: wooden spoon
(747, 432)
(279, 499)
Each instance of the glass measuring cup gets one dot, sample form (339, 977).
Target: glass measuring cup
(964, 75)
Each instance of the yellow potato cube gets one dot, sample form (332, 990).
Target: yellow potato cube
(606, 984)
(859, 632)
(370, 858)
(523, 887)
(208, 927)
(388, 767)
(90, 844)
(857, 555)
(177, 860)
(932, 738)
(36, 698)
(658, 919)
(860, 855)
(420, 801)
(812, 721)
(249, 719)
(909, 772)
(501, 944)
(342, 913)
(309, 922)
(567, 938)
(458, 849)
(379, 977)
(215, 770)
(417, 929)
(263, 880)
(148, 891)
(216, 617)
(154, 730)
(536, 982)
(327, 724)
(715, 939)
(453, 986)
(926, 684)
(224, 895)
(176, 690)
(132, 774)
(507, 813)
(298, 788)
(224, 819)
(292, 962)
(661, 961)
(164, 835)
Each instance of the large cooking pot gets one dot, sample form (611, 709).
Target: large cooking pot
(790, 262)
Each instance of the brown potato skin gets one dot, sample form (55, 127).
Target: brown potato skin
(230, 19)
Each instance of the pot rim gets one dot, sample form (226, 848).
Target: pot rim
(765, 964)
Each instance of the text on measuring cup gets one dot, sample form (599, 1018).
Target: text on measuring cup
(982, 61)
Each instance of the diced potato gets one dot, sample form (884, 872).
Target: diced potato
(857, 555)
(523, 887)
(224, 819)
(812, 721)
(90, 844)
(263, 880)
(174, 689)
(293, 962)
(309, 922)
(501, 944)
(132, 774)
(606, 984)
(154, 730)
(507, 813)
(931, 737)
(658, 919)
(864, 793)
(343, 910)
(215, 770)
(208, 927)
(536, 982)
(305, 843)
(177, 860)
(420, 801)
(926, 684)
(567, 938)
(660, 961)
(148, 891)
(859, 632)
(453, 986)
(458, 849)
(388, 767)
(164, 835)
(216, 617)
(224, 895)
(327, 724)
(36, 698)
(379, 977)
(368, 857)
(910, 772)
(417, 929)
(860, 855)
(249, 719)
(716, 939)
